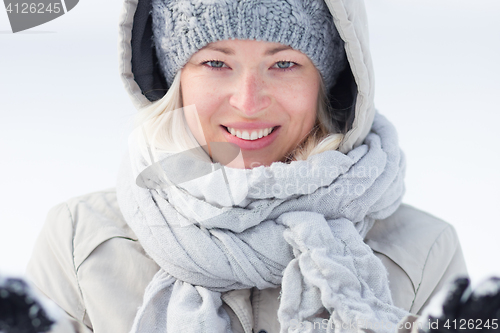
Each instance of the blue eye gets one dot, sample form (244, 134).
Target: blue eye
(215, 64)
(285, 64)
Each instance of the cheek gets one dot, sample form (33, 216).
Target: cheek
(194, 123)
(205, 97)
(201, 103)
(300, 101)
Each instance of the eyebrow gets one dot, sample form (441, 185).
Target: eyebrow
(275, 50)
(230, 51)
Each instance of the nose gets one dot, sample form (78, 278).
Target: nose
(250, 96)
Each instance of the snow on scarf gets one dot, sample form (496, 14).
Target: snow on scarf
(299, 225)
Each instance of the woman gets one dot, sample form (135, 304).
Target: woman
(257, 176)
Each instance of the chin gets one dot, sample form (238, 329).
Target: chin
(255, 164)
(256, 161)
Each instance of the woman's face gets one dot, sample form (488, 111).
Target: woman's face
(258, 95)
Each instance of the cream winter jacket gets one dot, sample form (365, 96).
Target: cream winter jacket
(90, 263)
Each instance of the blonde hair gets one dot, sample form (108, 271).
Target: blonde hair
(168, 131)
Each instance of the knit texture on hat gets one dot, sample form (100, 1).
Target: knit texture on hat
(182, 27)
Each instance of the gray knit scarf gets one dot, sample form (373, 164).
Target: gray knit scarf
(299, 225)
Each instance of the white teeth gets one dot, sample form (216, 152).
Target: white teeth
(254, 135)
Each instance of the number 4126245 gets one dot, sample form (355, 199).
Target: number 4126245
(471, 324)
(25, 8)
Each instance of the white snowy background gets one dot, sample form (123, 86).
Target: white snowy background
(64, 116)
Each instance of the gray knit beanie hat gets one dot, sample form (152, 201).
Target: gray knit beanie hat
(182, 27)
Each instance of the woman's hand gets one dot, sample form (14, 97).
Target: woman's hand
(20, 310)
(459, 309)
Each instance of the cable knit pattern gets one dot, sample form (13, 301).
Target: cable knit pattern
(182, 27)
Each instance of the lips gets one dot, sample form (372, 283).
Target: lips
(250, 138)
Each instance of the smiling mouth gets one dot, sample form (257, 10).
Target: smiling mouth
(250, 135)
